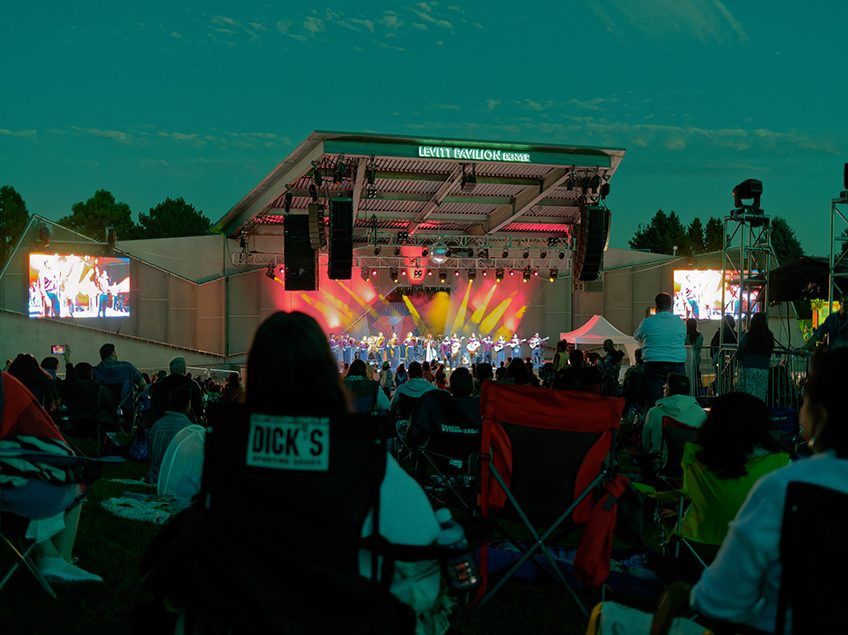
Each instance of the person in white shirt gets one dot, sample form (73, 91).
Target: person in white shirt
(662, 337)
(743, 582)
(677, 404)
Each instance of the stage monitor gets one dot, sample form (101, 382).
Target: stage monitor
(697, 294)
(78, 286)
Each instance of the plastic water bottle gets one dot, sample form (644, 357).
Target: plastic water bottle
(460, 568)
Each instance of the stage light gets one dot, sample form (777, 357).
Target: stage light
(448, 252)
(403, 237)
(469, 180)
(371, 171)
(499, 275)
(748, 189)
(512, 272)
(287, 200)
(370, 192)
(535, 274)
(270, 273)
(526, 276)
(543, 254)
(339, 170)
(364, 274)
(472, 275)
(456, 273)
(605, 190)
(525, 255)
(552, 241)
(552, 276)
(505, 253)
(443, 277)
(484, 273)
(403, 272)
(483, 253)
(430, 273)
(316, 174)
(377, 250)
(397, 251)
(561, 255)
(313, 192)
(373, 273)
(393, 274)
(425, 252)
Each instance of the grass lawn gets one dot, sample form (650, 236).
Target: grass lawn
(112, 548)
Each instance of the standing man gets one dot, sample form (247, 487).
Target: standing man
(535, 343)
(835, 326)
(662, 337)
(486, 347)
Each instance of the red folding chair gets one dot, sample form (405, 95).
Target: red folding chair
(544, 454)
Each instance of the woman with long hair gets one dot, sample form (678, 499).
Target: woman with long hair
(755, 349)
(694, 342)
(743, 582)
(366, 395)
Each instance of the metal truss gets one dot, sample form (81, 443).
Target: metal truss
(837, 270)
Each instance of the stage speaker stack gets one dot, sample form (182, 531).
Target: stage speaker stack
(301, 260)
(340, 264)
(590, 242)
(317, 238)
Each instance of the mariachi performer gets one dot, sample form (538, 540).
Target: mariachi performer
(473, 348)
(535, 343)
(393, 351)
(499, 347)
(347, 349)
(445, 350)
(486, 349)
(515, 346)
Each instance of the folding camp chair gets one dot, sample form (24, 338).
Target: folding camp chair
(675, 436)
(543, 454)
(444, 435)
(273, 544)
(812, 515)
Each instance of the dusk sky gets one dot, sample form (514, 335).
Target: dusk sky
(167, 99)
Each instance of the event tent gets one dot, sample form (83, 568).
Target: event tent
(596, 330)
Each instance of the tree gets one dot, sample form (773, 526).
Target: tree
(785, 245)
(172, 218)
(92, 217)
(714, 234)
(695, 237)
(13, 219)
(661, 235)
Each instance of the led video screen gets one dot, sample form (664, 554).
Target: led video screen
(72, 286)
(697, 294)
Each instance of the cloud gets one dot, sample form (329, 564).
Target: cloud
(392, 20)
(116, 135)
(5, 132)
(491, 104)
(230, 28)
(313, 24)
(710, 21)
(176, 35)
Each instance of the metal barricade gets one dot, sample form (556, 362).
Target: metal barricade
(787, 373)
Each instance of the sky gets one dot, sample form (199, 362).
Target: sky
(166, 99)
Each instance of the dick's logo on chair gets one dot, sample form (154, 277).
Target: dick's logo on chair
(289, 443)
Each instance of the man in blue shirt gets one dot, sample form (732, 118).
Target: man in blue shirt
(662, 337)
(111, 372)
(835, 326)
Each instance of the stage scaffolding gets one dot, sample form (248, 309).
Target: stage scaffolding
(838, 271)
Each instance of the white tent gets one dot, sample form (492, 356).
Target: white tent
(596, 330)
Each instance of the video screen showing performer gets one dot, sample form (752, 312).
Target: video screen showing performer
(71, 286)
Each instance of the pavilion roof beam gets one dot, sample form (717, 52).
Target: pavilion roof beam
(358, 181)
(436, 200)
(505, 214)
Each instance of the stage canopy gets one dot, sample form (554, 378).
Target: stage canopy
(485, 196)
(596, 330)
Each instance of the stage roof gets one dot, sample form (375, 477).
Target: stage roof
(431, 188)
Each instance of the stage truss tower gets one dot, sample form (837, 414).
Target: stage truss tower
(838, 271)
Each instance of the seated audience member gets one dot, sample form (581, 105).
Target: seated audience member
(88, 400)
(441, 377)
(609, 368)
(400, 375)
(462, 388)
(27, 370)
(517, 373)
(484, 373)
(500, 373)
(165, 429)
(233, 391)
(743, 582)
(182, 466)
(676, 403)
(54, 509)
(426, 372)
(415, 386)
(290, 366)
(633, 387)
(160, 391)
(730, 446)
(578, 376)
(386, 379)
(366, 395)
(112, 372)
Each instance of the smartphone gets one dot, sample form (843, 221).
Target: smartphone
(58, 349)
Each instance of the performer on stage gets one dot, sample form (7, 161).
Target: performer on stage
(535, 343)
(393, 351)
(407, 349)
(431, 352)
(473, 347)
(364, 348)
(500, 350)
(347, 344)
(486, 347)
(456, 350)
(446, 351)
(515, 345)
(335, 349)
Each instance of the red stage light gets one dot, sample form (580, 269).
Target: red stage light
(403, 273)
(456, 273)
(374, 273)
(512, 273)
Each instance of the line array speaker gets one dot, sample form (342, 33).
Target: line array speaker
(591, 241)
(317, 238)
(340, 264)
(301, 260)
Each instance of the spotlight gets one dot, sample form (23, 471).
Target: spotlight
(371, 172)
(403, 237)
(440, 254)
(543, 254)
(270, 273)
(364, 273)
(397, 251)
(605, 190)
(525, 255)
(505, 253)
(484, 273)
(377, 250)
(370, 192)
(287, 200)
(456, 273)
(443, 277)
(552, 241)
(403, 272)
(748, 189)
(339, 170)
(472, 275)
(561, 255)
(512, 272)
(483, 253)
(448, 252)
(569, 184)
(535, 274)
(595, 184)
(430, 272)
(373, 273)
(526, 276)
(499, 275)
(313, 192)
(425, 252)
(552, 276)
(393, 274)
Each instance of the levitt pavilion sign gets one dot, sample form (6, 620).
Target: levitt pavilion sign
(472, 154)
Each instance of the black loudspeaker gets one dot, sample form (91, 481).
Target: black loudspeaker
(340, 264)
(301, 260)
(591, 239)
(317, 238)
